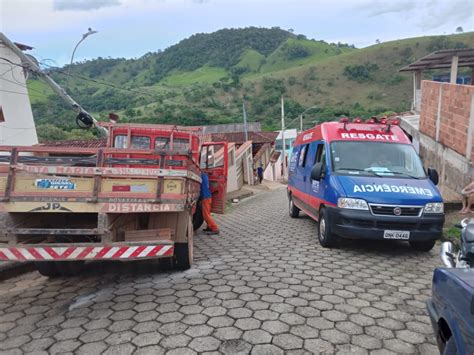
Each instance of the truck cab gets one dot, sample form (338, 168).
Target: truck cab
(364, 180)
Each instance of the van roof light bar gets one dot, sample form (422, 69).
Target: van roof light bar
(344, 120)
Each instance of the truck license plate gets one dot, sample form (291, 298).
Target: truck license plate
(403, 235)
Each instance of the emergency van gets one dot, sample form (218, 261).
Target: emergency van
(364, 180)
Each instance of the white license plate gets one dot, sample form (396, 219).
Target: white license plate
(403, 235)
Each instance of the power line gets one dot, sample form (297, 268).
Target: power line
(23, 86)
(99, 81)
(21, 93)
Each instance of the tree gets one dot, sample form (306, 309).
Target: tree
(459, 29)
(377, 41)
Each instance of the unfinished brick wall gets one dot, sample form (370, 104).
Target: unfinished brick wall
(449, 106)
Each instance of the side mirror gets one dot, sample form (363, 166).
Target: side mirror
(433, 175)
(447, 255)
(317, 171)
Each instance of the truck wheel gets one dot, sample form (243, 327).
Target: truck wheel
(294, 211)
(47, 268)
(70, 268)
(326, 238)
(423, 246)
(183, 252)
(198, 218)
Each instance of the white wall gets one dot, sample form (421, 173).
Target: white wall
(19, 127)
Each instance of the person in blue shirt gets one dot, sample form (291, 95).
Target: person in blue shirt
(206, 203)
(260, 174)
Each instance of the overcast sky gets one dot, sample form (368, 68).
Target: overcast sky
(131, 28)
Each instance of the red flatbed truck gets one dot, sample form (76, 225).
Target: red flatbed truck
(137, 198)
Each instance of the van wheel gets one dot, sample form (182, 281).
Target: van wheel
(294, 211)
(47, 268)
(198, 218)
(423, 246)
(183, 252)
(326, 238)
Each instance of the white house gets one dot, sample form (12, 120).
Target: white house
(17, 126)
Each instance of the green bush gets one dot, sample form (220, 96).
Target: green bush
(360, 73)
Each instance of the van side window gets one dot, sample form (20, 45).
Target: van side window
(303, 156)
(320, 154)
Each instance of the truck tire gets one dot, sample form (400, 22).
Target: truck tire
(47, 268)
(294, 211)
(325, 235)
(183, 252)
(70, 268)
(423, 246)
(198, 218)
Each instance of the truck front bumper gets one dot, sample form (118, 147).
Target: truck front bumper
(358, 224)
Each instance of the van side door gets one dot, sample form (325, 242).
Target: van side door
(317, 189)
(300, 177)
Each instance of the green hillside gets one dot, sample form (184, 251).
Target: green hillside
(203, 79)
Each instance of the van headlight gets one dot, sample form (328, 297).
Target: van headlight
(434, 207)
(352, 203)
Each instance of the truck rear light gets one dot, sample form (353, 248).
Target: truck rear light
(343, 120)
(370, 120)
(395, 122)
(357, 120)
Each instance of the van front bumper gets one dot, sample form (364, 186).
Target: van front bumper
(358, 224)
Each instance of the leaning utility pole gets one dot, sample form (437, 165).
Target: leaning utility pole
(83, 116)
(283, 135)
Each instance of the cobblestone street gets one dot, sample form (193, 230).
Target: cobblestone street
(264, 286)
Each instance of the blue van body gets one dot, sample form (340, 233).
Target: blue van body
(361, 201)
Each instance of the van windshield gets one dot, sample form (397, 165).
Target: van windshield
(376, 158)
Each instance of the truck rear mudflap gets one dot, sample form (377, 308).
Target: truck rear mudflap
(87, 251)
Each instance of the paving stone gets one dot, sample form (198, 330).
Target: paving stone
(275, 327)
(247, 323)
(257, 336)
(410, 336)
(175, 341)
(208, 343)
(267, 349)
(228, 333)
(122, 349)
(181, 351)
(200, 330)
(38, 345)
(144, 339)
(399, 346)
(92, 348)
(334, 336)
(366, 342)
(287, 341)
(235, 346)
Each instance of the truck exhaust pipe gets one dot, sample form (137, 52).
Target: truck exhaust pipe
(447, 255)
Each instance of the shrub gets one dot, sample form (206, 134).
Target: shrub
(360, 73)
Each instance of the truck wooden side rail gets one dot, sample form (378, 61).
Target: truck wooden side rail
(60, 207)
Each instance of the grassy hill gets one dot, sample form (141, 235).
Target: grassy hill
(182, 87)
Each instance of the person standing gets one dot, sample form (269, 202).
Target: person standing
(206, 203)
(260, 174)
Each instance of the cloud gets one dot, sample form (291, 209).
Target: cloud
(83, 5)
(376, 8)
(439, 13)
